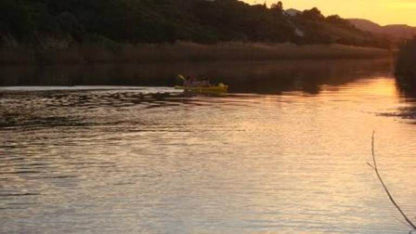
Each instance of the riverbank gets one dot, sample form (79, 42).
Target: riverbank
(181, 51)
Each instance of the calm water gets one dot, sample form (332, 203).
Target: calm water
(130, 160)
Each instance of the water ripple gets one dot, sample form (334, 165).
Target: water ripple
(137, 160)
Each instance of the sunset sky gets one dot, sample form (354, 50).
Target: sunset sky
(380, 11)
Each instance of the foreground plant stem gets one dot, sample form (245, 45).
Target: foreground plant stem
(374, 166)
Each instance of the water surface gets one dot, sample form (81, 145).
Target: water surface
(149, 159)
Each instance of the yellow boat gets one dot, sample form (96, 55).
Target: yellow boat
(219, 89)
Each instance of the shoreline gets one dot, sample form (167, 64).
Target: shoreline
(242, 76)
(182, 52)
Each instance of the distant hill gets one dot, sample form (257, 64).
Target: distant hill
(396, 31)
(366, 25)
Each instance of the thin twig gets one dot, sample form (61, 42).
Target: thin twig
(401, 221)
(374, 166)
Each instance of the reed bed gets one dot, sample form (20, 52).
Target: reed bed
(183, 52)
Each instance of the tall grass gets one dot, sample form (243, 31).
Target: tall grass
(180, 51)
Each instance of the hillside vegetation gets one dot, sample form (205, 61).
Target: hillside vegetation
(62, 24)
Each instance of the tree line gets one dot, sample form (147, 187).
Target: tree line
(167, 21)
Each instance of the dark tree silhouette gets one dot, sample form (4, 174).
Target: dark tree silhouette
(161, 21)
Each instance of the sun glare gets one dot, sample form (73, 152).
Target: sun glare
(382, 12)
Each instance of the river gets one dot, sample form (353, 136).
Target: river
(285, 151)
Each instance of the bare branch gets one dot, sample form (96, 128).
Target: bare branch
(385, 187)
(369, 164)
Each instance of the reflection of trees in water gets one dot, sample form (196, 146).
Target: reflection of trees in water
(307, 76)
(406, 113)
(406, 91)
(405, 72)
(408, 96)
(244, 77)
(405, 69)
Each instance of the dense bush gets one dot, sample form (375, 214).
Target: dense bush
(406, 66)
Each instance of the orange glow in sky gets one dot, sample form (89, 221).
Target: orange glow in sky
(380, 11)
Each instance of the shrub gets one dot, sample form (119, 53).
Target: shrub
(406, 66)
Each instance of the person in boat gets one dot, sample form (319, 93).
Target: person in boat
(191, 81)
